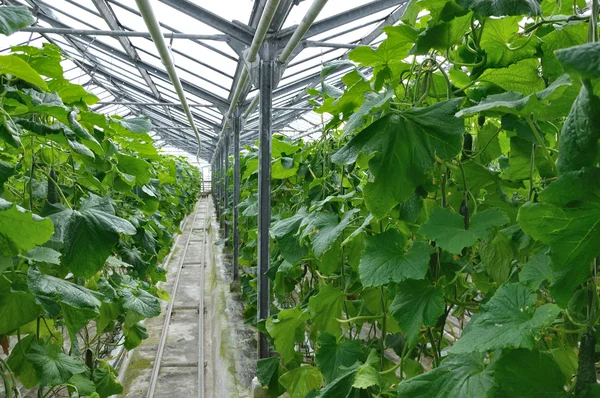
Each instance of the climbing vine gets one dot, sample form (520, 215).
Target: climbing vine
(88, 211)
(440, 238)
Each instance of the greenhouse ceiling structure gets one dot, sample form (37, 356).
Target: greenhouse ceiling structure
(211, 43)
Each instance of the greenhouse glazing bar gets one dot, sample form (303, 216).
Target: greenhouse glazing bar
(121, 33)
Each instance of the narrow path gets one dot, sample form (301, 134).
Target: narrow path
(175, 335)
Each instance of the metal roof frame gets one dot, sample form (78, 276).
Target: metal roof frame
(152, 85)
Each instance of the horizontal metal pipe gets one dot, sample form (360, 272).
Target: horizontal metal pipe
(324, 44)
(153, 104)
(121, 33)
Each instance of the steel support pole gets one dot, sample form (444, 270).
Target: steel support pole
(226, 183)
(237, 129)
(266, 85)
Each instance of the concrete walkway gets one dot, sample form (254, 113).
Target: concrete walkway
(227, 345)
(178, 376)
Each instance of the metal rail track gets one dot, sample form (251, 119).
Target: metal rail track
(202, 203)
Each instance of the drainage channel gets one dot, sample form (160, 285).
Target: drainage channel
(170, 363)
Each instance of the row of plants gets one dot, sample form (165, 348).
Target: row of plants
(88, 211)
(440, 239)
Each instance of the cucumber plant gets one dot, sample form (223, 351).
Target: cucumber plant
(88, 211)
(440, 238)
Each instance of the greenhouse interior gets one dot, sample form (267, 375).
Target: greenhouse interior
(299, 198)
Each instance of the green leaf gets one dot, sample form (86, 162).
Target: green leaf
(447, 228)
(372, 101)
(140, 124)
(524, 373)
(20, 365)
(457, 376)
(84, 385)
(135, 167)
(509, 320)
(134, 335)
(105, 379)
(536, 271)
(302, 380)
(15, 66)
(325, 308)
(572, 234)
(62, 291)
(140, 301)
(13, 18)
(570, 35)
(496, 256)
(522, 77)
(32, 230)
(332, 355)
(89, 234)
(580, 133)
(328, 230)
(443, 35)
(583, 60)
(500, 8)
(395, 48)
(366, 376)
(494, 39)
(285, 328)
(417, 303)
(384, 259)
(53, 367)
(265, 369)
(43, 255)
(340, 387)
(17, 308)
(405, 147)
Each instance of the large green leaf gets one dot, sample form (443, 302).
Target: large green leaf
(583, 60)
(285, 328)
(32, 230)
(13, 18)
(522, 77)
(325, 308)
(62, 291)
(340, 387)
(135, 167)
(457, 376)
(53, 367)
(140, 301)
(524, 373)
(89, 234)
(405, 147)
(15, 66)
(384, 259)
(447, 228)
(302, 380)
(509, 320)
(20, 365)
(394, 49)
(500, 8)
(417, 303)
(494, 39)
(332, 355)
(580, 133)
(568, 36)
(105, 379)
(443, 35)
(572, 234)
(17, 308)
(140, 124)
(537, 270)
(327, 230)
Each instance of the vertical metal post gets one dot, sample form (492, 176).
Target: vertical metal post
(225, 182)
(266, 83)
(237, 129)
